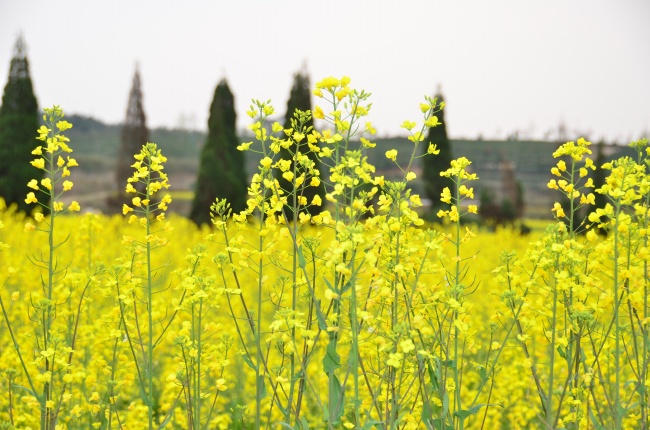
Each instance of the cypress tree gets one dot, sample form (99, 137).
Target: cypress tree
(134, 134)
(18, 124)
(432, 165)
(300, 99)
(222, 171)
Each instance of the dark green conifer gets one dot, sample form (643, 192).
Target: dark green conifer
(18, 124)
(432, 165)
(300, 100)
(222, 170)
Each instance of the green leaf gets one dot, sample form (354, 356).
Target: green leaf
(594, 420)
(347, 285)
(482, 373)
(427, 412)
(445, 404)
(248, 361)
(261, 386)
(303, 423)
(353, 359)
(322, 322)
(332, 359)
(463, 414)
(301, 258)
(434, 377)
(438, 424)
(329, 285)
(168, 418)
(449, 363)
(474, 409)
(371, 424)
(560, 351)
(337, 401)
(28, 390)
(326, 413)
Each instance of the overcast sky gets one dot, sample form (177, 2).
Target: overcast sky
(502, 65)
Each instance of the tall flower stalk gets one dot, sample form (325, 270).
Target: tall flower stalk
(146, 182)
(54, 353)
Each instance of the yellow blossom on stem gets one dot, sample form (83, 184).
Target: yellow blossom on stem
(445, 196)
(31, 198)
(391, 154)
(39, 163)
(433, 149)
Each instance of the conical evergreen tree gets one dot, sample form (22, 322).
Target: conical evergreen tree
(432, 165)
(222, 171)
(134, 134)
(18, 124)
(300, 99)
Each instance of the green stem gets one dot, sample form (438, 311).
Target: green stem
(617, 331)
(149, 367)
(457, 286)
(551, 371)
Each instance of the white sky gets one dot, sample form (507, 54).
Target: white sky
(503, 65)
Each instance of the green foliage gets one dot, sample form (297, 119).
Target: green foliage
(221, 173)
(300, 99)
(18, 120)
(432, 166)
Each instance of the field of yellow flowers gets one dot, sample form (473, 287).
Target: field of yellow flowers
(361, 316)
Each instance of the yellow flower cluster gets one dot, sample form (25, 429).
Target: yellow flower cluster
(56, 168)
(460, 174)
(574, 179)
(148, 176)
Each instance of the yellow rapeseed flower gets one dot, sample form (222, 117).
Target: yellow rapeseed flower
(31, 198)
(39, 163)
(47, 183)
(445, 196)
